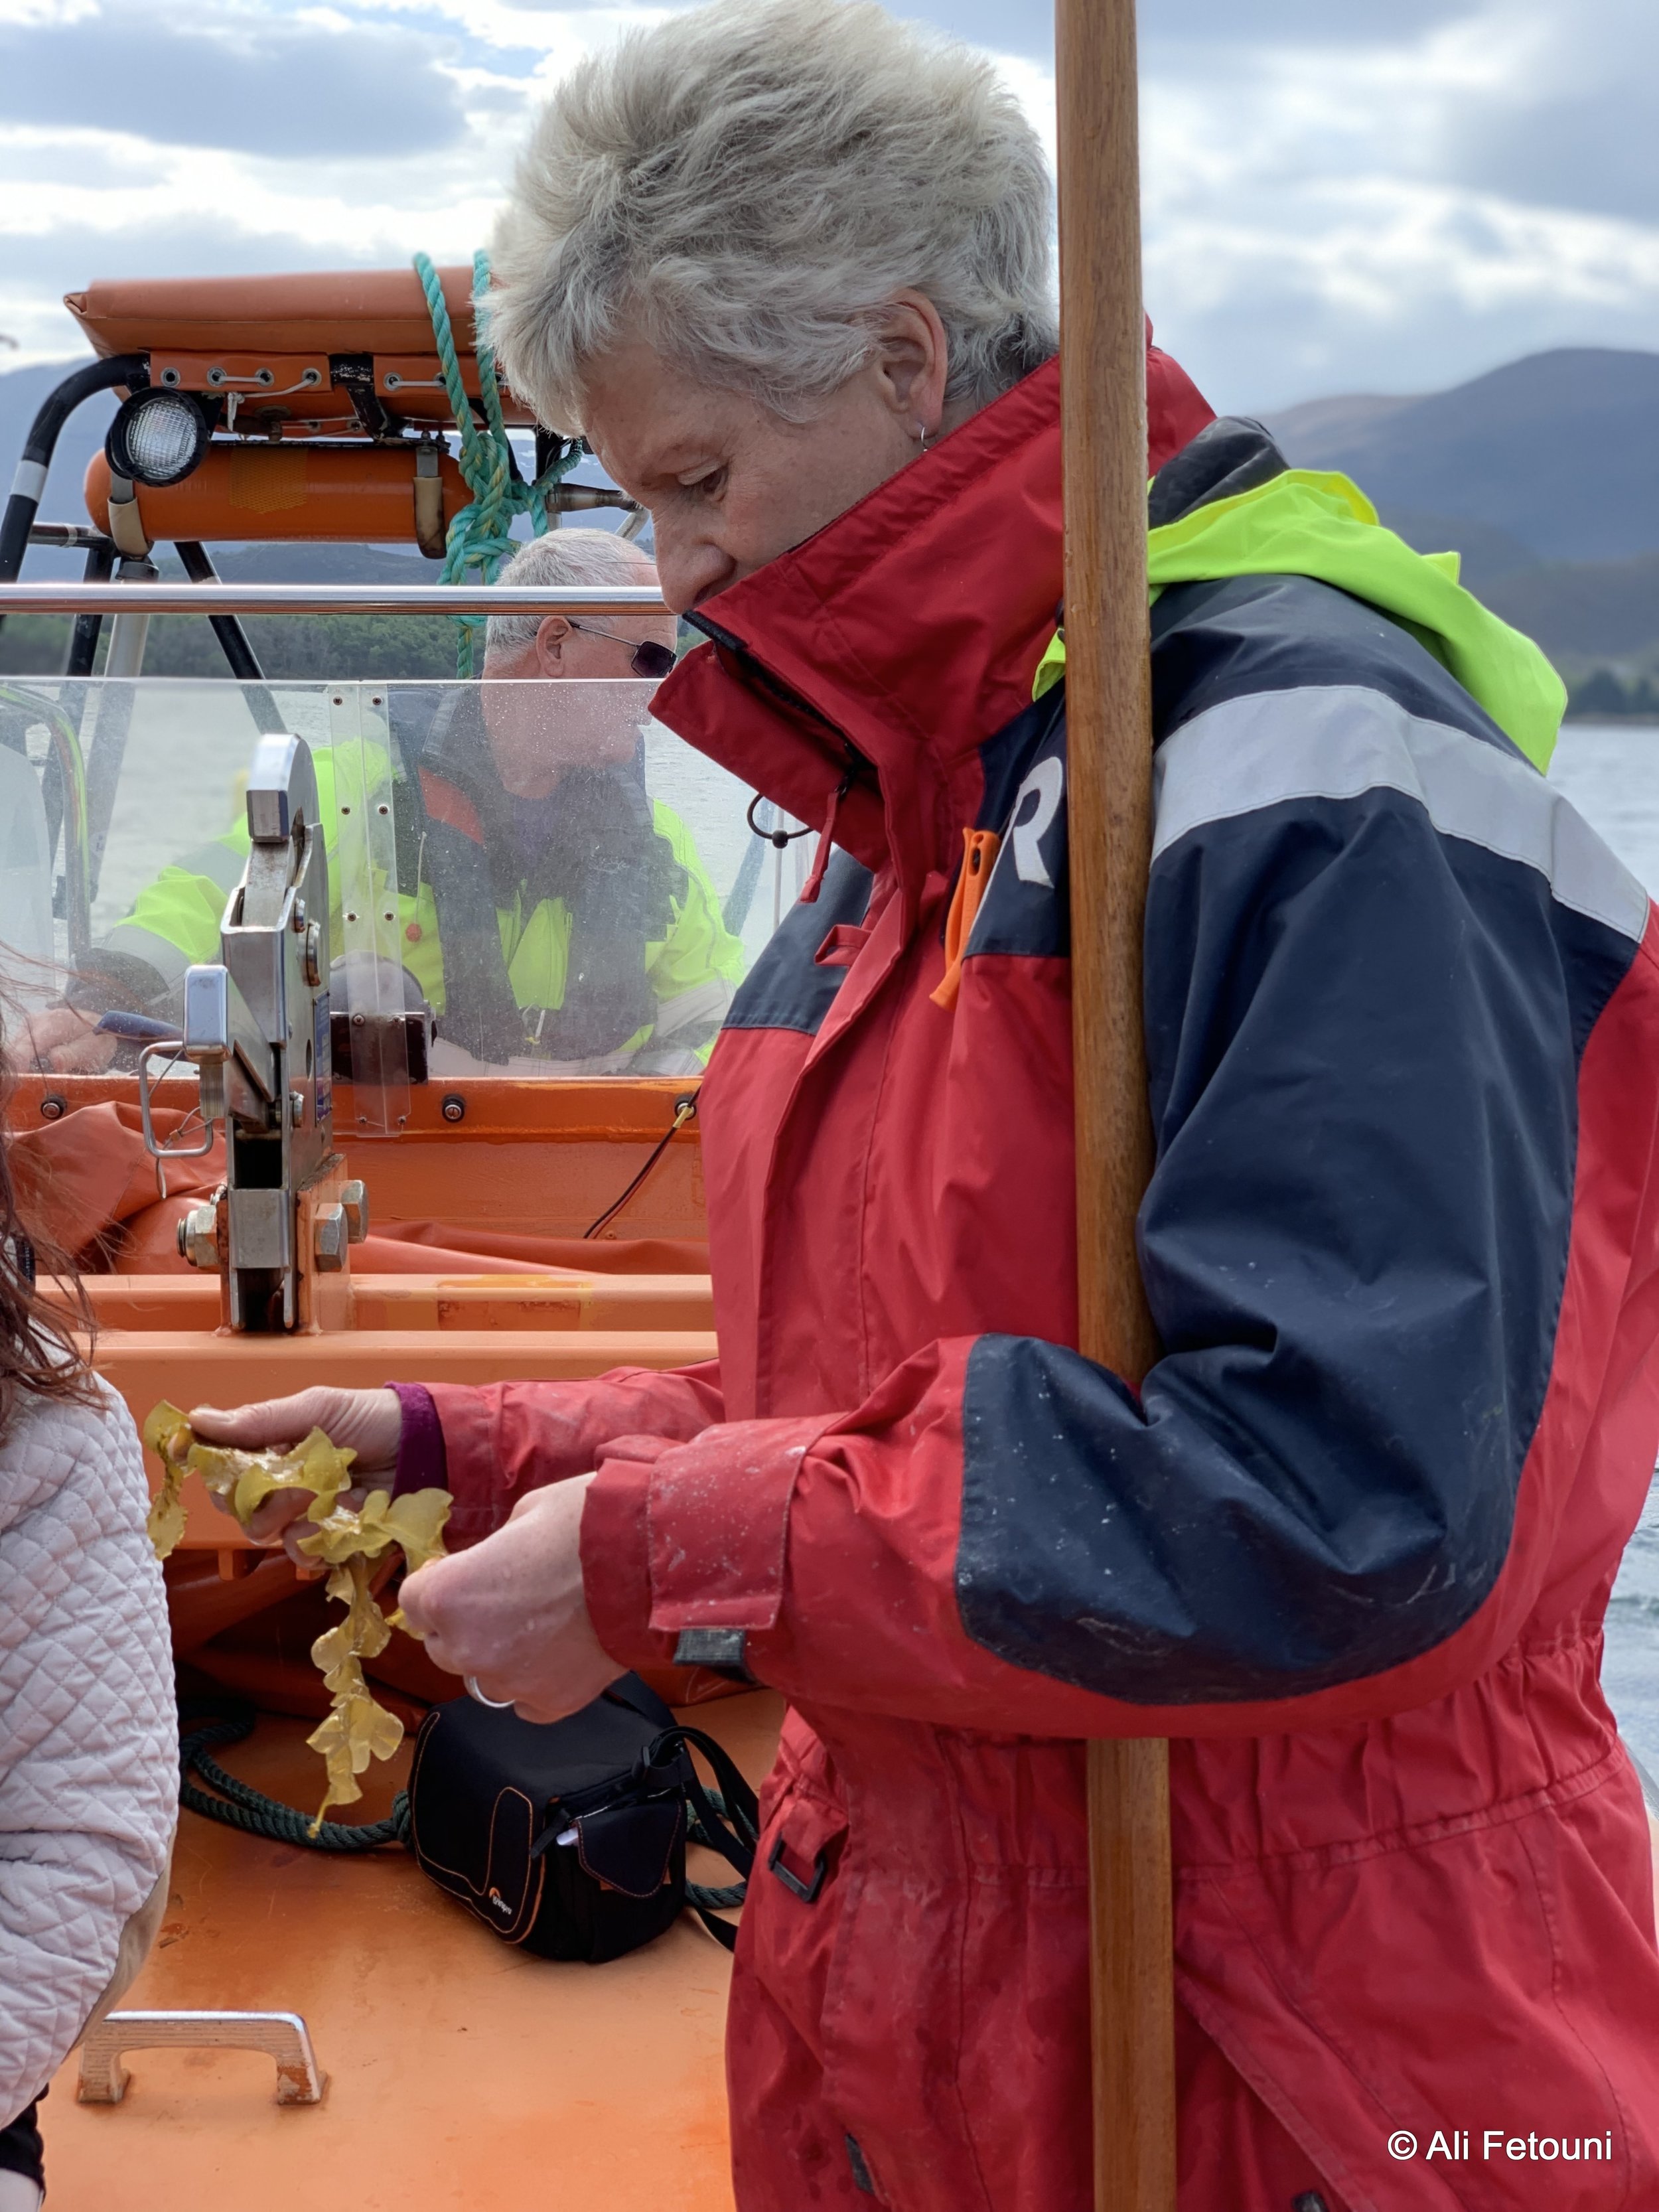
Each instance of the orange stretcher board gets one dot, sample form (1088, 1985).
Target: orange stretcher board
(379, 313)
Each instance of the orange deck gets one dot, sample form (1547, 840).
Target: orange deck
(463, 2075)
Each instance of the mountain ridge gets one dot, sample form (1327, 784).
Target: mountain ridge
(1558, 451)
(1543, 474)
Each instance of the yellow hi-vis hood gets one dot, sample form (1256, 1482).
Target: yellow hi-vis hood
(1305, 523)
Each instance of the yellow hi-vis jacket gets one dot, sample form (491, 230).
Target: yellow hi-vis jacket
(692, 970)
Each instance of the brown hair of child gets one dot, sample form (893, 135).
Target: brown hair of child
(44, 1338)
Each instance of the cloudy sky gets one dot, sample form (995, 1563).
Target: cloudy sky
(1340, 194)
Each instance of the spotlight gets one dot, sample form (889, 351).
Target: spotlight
(157, 437)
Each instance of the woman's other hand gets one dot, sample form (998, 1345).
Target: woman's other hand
(511, 1612)
(368, 1422)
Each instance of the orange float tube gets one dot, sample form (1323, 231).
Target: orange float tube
(355, 495)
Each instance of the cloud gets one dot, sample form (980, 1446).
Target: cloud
(1573, 123)
(1313, 24)
(1339, 194)
(1403, 212)
(1004, 26)
(238, 79)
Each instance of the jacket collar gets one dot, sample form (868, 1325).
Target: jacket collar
(901, 637)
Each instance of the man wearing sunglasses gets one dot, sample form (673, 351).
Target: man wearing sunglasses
(550, 647)
(565, 919)
(555, 916)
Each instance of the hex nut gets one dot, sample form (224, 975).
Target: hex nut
(354, 1199)
(198, 1238)
(329, 1239)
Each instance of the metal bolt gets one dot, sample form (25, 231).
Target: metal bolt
(454, 1106)
(199, 1236)
(54, 1107)
(354, 1199)
(296, 1108)
(314, 954)
(297, 919)
(329, 1239)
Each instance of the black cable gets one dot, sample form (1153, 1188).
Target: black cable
(685, 1109)
(773, 837)
(131, 369)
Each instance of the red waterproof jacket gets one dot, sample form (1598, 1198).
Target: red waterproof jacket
(1350, 1545)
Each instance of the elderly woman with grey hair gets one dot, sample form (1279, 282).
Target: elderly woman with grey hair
(786, 266)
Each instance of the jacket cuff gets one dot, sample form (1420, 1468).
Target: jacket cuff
(616, 1555)
(684, 1546)
(465, 1419)
(422, 1461)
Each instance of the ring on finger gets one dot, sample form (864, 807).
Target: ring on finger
(495, 1704)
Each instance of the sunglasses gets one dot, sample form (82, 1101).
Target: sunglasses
(655, 661)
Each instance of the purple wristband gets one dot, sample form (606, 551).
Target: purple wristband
(423, 1461)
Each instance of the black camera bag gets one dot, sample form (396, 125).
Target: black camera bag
(570, 1838)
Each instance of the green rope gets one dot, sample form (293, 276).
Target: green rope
(480, 536)
(240, 1807)
(707, 1897)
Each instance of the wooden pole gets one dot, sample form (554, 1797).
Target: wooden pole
(1109, 717)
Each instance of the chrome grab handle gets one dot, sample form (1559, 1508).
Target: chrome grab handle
(283, 2035)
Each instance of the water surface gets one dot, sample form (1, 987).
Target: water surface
(1612, 775)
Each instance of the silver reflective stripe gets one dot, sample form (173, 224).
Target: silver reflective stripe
(158, 952)
(1342, 740)
(704, 1002)
(29, 481)
(666, 1062)
(217, 862)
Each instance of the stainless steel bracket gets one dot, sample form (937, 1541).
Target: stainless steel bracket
(283, 2035)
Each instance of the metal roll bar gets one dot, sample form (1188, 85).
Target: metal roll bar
(66, 743)
(74, 536)
(186, 599)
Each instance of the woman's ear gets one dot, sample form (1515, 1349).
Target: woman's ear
(911, 363)
(549, 646)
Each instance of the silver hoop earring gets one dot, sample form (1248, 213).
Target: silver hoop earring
(922, 435)
(495, 1704)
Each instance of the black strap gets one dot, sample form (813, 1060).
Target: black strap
(728, 1822)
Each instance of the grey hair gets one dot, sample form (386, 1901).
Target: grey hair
(750, 184)
(593, 557)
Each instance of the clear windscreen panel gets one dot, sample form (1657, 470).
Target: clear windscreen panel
(531, 878)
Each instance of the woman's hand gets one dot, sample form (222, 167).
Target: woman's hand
(368, 1422)
(65, 1043)
(512, 1612)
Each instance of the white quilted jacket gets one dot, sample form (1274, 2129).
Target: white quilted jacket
(88, 1732)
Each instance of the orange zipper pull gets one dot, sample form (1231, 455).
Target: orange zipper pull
(979, 852)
